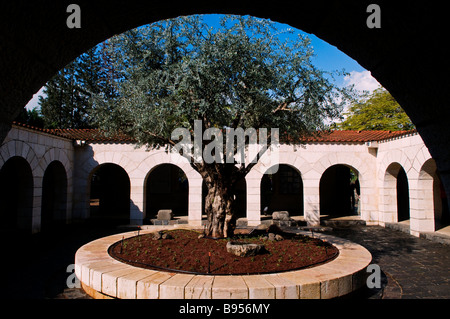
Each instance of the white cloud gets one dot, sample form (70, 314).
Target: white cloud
(363, 81)
(34, 102)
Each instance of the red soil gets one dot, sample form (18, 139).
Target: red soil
(186, 252)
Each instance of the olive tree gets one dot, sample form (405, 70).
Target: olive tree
(245, 74)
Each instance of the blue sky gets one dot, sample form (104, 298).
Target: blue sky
(327, 58)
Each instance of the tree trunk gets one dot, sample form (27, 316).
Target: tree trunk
(219, 207)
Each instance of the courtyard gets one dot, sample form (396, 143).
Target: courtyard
(64, 195)
(77, 186)
(412, 268)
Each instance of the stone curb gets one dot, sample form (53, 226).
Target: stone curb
(102, 276)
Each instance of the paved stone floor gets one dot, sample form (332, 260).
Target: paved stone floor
(411, 267)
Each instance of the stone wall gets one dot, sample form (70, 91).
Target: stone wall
(376, 164)
(412, 155)
(138, 163)
(37, 43)
(39, 150)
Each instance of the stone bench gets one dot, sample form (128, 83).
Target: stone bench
(282, 219)
(102, 276)
(163, 217)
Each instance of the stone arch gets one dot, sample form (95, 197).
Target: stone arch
(284, 156)
(61, 156)
(56, 154)
(109, 194)
(117, 157)
(361, 163)
(429, 203)
(282, 190)
(366, 48)
(157, 157)
(395, 196)
(166, 187)
(21, 149)
(401, 158)
(87, 164)
(42, 55)
(54, 207)
(340, 190)
(16, 195)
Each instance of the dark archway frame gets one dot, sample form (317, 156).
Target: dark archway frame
(406, 55)
(54, 196)
(282, 191)
(340, 190)
(110, 184)
(166, 187)
(16, 195)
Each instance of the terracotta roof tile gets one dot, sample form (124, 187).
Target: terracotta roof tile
(358, 136)
(92, 135)
(337, 136)
(89, 135)
(34, 128)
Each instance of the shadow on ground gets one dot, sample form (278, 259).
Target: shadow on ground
(35, 266)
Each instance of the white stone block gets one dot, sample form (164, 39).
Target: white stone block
(127, 285)
(229, 287)
(148, 288)
(259, 287)
(200, 287)
(174, 287)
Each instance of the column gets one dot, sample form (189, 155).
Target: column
(137, 214)
(311, 198)
(195, 201)
(253, 181)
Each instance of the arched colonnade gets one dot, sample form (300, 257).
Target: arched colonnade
(59, 179)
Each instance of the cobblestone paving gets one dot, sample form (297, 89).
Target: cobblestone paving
(411, 267)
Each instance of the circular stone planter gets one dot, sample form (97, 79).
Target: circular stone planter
(102, 276)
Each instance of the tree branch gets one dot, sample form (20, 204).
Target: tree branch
(162, 138)
(284, 106)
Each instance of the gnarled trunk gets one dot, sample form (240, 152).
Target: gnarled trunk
(219, 207)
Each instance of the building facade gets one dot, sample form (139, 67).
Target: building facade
(51, 177)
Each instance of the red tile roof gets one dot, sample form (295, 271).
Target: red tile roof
(48, 131)
(92, 135)
(358, 136)
(89, 135)
(337, 136)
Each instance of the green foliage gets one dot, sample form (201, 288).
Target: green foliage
(68, 102)
(31, 117)
(243, 74)
(378, 111)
